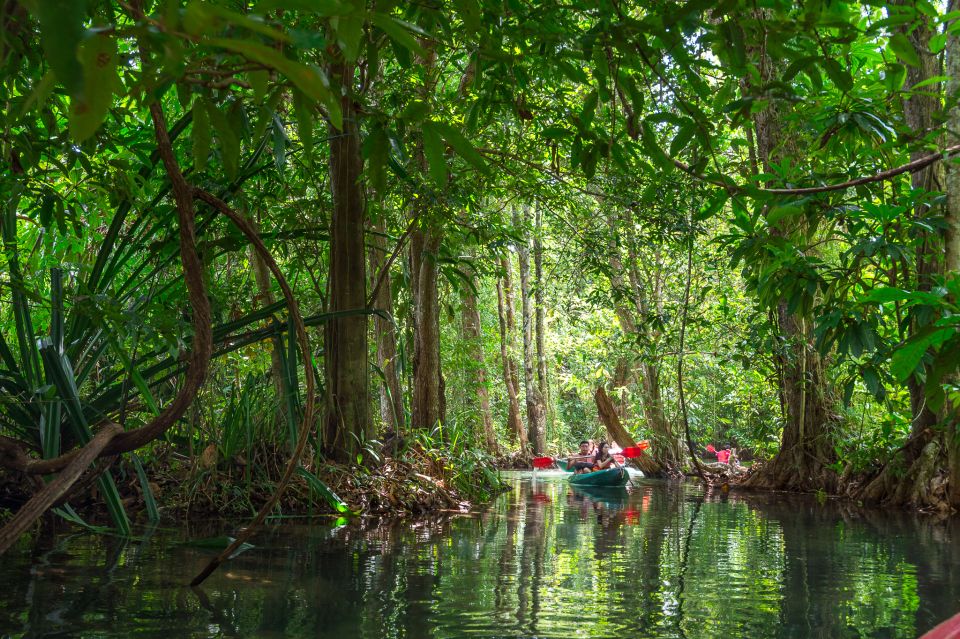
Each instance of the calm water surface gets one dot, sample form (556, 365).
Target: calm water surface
(545, 560)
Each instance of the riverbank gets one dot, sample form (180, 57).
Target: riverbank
(414, 483)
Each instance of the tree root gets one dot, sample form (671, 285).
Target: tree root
(43, 500)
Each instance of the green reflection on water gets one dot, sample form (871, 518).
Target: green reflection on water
(545, 560)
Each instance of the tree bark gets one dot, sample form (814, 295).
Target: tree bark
(536, 419)
(541, 324)
(608, 415)
(906, 480)
(427, 409)
(428, 405)
(951, 413)
(919, 109)
(345, 360)
(470, 323)
(629, 300)
(391, 395)
(504, 303)
(806, 448)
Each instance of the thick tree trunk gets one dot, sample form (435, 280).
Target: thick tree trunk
(911, 478)
(428, 404)
(470, 323)
(806, 448)
(391, 394)
(951, 413)
(345, 361)
(536, 418)
(514, 423)
(919, 109)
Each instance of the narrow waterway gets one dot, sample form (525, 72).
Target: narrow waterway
(544, 560)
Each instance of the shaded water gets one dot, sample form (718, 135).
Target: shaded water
(545, 560)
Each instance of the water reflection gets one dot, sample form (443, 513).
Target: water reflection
(546, 560)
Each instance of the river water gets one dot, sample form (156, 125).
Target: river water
(544, 560)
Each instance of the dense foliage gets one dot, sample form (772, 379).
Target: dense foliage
(740, 222)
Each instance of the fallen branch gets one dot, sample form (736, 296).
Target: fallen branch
(41, 501)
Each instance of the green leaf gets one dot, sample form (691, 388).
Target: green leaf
(228, 139)
(376, 151)
(200, 134)
(258, 82)
(786, 212)
(399, 32)
(937, 79)
(900, 44)
(462, 146)
(906, 358)
(88, 108)
(153, 513)
(680, 140)
(322, 8)
(837, 74)
(885, 294)
(652, 147)
(302, 109)
(323, 490)
(61, 30)
(938, 42)
(433, 149)
(349, 30)
(589, 109)
(308, 79)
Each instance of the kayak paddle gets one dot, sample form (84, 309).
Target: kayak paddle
(629, 452)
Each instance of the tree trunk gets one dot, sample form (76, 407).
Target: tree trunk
(427, 409)
(608, 415)
(470, 322)
(345, 360)
(907, 479)
(951, 413)
(629, 298)
(541, 325)
(428, 406)
(806, 448)
(514, 423)
(536, 420)
(391, 395)
(919, 109)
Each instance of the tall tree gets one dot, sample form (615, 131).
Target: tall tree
(345, 359)
(507, 330)
(427, 409)
(384, 328)
(472, 335)
(536, 415)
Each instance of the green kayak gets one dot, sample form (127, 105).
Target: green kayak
(608, 477)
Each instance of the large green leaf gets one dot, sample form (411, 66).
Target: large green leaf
(61, 30)
(900, 44)
(433, 149)
(88, 108)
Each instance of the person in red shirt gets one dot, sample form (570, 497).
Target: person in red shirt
(723, 455)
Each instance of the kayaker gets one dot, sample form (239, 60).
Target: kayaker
(582, 462)
(603, 458)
